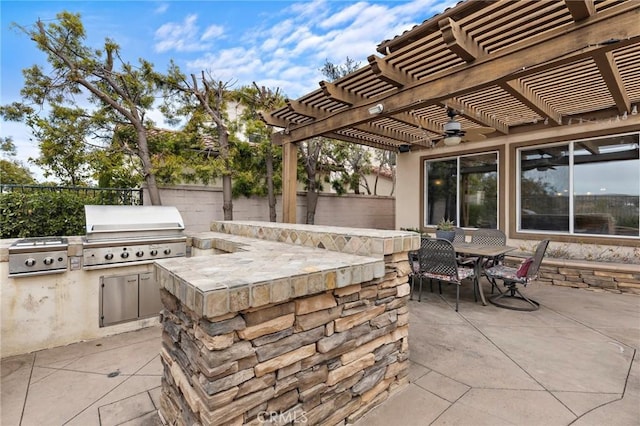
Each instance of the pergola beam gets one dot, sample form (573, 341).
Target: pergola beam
(611, 75)
(303, 109)
(270, 120)
(551, 49)
(413, 120)
(580, 9)
(388, 73)
(476, 115)
(373, 144)
(338, 94)
(520, 91)
(458, 41)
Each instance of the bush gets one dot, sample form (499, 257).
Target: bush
(43, 213)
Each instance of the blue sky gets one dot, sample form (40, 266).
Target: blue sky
(274, 43)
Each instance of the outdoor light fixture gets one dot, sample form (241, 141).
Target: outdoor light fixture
(376, 109)
(452, 140)
(452, 132)
(404, 148)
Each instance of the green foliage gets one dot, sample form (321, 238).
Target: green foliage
(445, 225)
(43, 213)
(63, 151)
(118, 92)
(12, 172)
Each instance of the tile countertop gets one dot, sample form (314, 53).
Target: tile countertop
(256, 272)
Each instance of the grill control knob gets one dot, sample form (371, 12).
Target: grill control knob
(124, 254)
(167, 251)
(153, 252)
(48, 260)
(108, 256)
(30, 261)
(139, 253)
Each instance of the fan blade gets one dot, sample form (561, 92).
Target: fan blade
(480, 130)
(473, 137)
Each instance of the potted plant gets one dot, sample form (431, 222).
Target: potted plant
(445, 229)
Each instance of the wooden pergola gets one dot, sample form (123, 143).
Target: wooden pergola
(515, 66)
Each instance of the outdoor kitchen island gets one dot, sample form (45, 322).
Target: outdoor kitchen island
(284, 323)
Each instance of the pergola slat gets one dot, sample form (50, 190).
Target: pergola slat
(537, 72)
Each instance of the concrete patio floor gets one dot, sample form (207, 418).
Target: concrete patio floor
(573, 362)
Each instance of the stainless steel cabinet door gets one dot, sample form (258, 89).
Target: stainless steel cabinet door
(118, 299)
(150, 303)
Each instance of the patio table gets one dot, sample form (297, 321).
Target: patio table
(481, 251)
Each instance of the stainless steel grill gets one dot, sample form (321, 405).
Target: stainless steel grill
(123, 234)
(37, 256)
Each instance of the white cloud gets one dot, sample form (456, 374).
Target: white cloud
(181, 37)
(212, 32)
(344, 15)
(162, 8)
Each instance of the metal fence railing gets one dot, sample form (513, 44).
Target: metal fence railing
(113, 196)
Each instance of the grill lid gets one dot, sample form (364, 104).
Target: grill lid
(118, 222)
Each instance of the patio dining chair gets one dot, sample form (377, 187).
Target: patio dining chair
(511, 277)
(438, 262)
(490, 237)
(459, 236)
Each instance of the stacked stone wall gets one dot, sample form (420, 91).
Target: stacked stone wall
(623, 278)
(323, 359)
(617, 282)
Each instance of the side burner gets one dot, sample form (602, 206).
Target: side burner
(37, 256)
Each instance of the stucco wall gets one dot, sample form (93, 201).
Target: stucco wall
(408, 190)
(200, 205)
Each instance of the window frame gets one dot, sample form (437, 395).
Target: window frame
(501, 178)
(560, 236)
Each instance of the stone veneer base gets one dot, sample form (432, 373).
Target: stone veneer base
(325, 354)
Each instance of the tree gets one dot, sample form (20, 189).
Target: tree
(334, 72)
(207, 95)
(63, 150)
(320, 157)
(12, 171)
(356, 164)
(258, 99)
(386, 160)
(120, 96)
(317, 165)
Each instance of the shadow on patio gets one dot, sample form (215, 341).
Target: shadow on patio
(574, 361)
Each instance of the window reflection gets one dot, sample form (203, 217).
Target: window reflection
(463, 189)
(606, 181)
(544, 189)
(604, 195)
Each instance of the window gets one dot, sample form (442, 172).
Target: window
(463, 189)
(589, 186)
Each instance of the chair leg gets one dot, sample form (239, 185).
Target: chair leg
(411, 283)
(494, 285)
(513, 293)
(457, 295)
(476, 289)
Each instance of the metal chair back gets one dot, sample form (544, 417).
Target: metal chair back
(532, 272)
(438, 257)
(459, 236)
(490, 237)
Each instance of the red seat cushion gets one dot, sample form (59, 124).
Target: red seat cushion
(524, 267)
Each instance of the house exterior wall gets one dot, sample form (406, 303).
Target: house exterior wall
(410, 187)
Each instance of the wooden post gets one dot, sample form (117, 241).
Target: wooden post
(289, 181)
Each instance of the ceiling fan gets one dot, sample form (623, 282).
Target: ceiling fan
(453, 133)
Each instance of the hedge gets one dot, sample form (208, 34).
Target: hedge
(43, 213)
